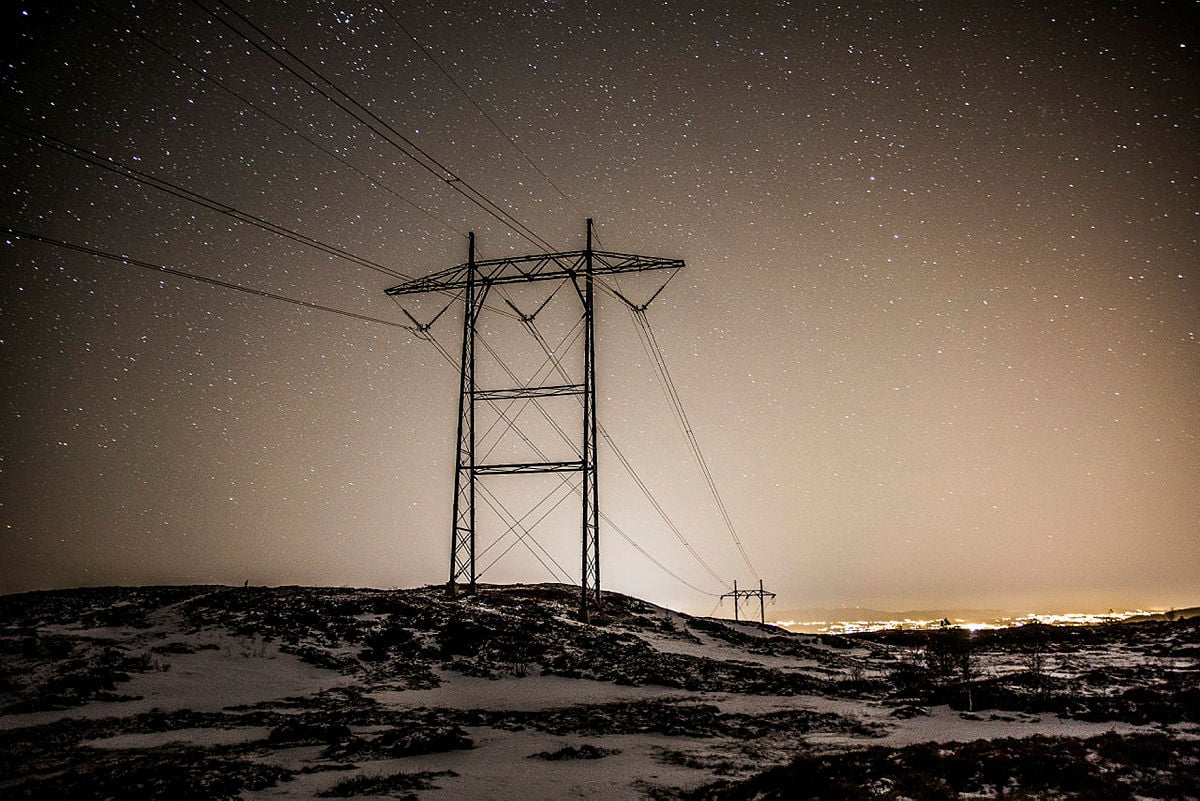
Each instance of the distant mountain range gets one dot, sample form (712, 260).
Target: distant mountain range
(855, 613)
(1174, 614)
(842, 614)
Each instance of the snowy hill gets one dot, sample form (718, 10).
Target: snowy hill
(292, 692)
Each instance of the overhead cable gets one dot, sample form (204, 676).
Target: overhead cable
(367, 117)
(163, 185)
(141, 34)
(624, 461)
(200, 278)
(483, 112)
(654, 351)
(612, 444)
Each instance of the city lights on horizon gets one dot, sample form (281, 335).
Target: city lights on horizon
(1053, 619)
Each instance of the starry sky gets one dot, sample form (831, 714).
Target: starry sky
(936, 336)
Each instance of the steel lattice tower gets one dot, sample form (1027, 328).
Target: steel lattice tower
(473, 280)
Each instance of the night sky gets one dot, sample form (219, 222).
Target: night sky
(936, 336)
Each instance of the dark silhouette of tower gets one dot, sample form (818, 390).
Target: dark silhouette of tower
(472, 281)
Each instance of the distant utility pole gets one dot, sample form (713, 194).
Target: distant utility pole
(472, 281)
(737, 595)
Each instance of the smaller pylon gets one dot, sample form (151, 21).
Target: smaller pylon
(737, 596)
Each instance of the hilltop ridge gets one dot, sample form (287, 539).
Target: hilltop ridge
(267, 692)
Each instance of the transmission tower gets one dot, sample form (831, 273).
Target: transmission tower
(472, 281)
(737, 596)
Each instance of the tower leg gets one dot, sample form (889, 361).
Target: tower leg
(589, 591)
(462, 535)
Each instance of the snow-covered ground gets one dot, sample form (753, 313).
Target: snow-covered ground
(293, 692)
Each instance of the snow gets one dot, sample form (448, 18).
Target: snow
(531, 693)
(205, 681)
(946, 725)
(210, 669)
(711, 648)
(502, 766)
(191, 736)
(212, 680)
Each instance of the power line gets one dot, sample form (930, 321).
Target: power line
(612, 524)
(290, 128)
(372, 121)
(200, 278)
(307, 304)
(568, 341)
(433, 60)
(492, 501)
(413, 151)
(181, 192)
(453, 363)
(454, 182)
(425, 334)
(656, 355)
(175, 190)
(141, 34)
(624, 461)
(433, 166)
(658, 507)
(155, 182)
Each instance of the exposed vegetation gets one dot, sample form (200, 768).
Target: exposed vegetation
(1110, 767)
(64, 652)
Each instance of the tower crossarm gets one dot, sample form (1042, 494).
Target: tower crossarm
(541, 267)
(528, 467)
(529, 392)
